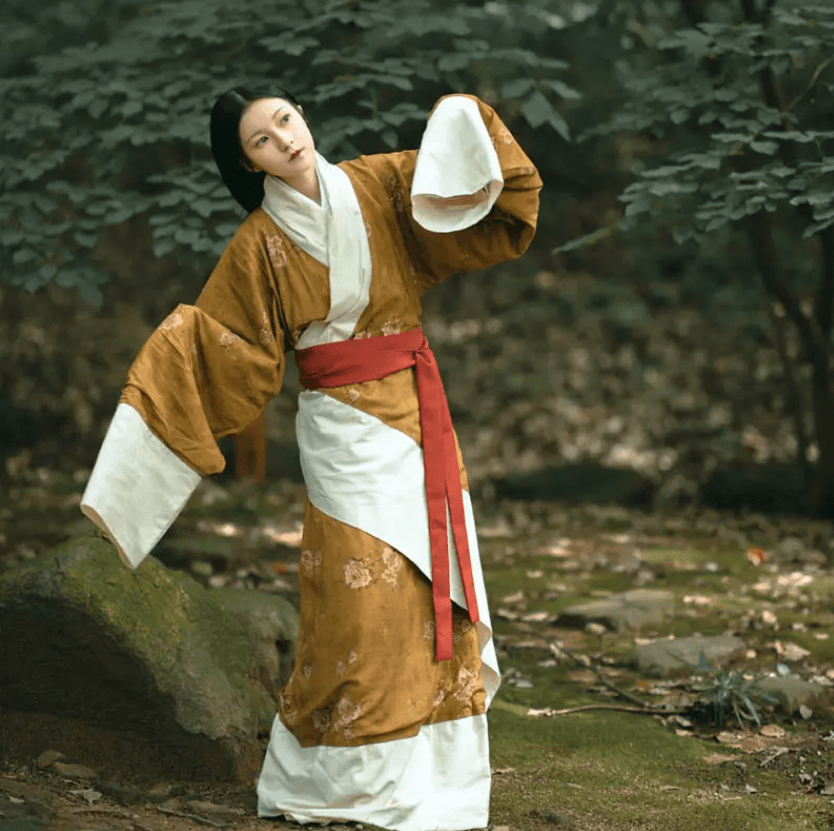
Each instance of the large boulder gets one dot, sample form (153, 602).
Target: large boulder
(182, 676)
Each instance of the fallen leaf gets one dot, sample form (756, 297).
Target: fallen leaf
(790, 651)
(718, 758)
(772, 731)
(757, 556)
(698, 599)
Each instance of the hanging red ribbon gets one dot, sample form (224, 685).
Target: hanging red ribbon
(367, 359)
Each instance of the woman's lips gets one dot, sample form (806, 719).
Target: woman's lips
(295, 155)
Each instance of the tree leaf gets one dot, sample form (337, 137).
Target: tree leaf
(537, 110)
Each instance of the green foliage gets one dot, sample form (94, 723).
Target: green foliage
(729, 693)
(117, 127)
(729, 147)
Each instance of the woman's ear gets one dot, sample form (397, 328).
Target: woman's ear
(248, 166)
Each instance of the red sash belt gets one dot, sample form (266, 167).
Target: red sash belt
(366, 359)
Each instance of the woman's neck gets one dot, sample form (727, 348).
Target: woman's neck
(307, 185)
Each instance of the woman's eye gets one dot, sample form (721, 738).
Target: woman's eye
(285, 119)
(260, 141)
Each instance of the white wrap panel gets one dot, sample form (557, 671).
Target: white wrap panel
(438, 780)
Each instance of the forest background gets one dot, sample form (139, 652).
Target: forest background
(673, 319)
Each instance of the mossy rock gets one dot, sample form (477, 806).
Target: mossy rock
(149, 652)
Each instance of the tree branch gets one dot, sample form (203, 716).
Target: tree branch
(814, 78)
(764, 251)
(794, 403)
(622, 708)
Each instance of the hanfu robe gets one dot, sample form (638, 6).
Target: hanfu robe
(371, 728)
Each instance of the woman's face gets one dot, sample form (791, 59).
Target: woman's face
(275, 139)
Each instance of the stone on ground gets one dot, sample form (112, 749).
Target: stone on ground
(792, 693)
(628, 610)
(665, 657)
(149, 665)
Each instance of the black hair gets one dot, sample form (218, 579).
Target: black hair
(245, 186)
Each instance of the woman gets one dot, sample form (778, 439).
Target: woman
(383, 720)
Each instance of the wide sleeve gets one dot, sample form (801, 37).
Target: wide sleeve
(208, 370)
(463, 156)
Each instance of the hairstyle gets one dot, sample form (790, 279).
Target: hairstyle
(245, 186)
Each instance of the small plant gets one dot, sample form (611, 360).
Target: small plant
(729, 692)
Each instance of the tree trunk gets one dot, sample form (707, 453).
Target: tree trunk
(822, 491)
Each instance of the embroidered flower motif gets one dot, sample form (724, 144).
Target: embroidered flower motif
(468, 683)
(321, 720)
(461, 628)
(395, 191)
(393, 564)
(502, 136)
(277, 252)
(306, 670)
(352, 395)
(348, 712)
(341, 666)
(230, 339)
(310, 560)
(428, 630)
(171, 322)
(266, 330)
(392, 326)
(439, 698)
(357, 574)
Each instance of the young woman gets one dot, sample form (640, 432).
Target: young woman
(383, 720)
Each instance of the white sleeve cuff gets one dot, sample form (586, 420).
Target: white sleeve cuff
(456, 158)
(137, 488)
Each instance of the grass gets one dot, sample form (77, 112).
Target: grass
(619, 772)
(612, 771)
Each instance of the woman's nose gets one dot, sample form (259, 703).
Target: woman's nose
(283, 138)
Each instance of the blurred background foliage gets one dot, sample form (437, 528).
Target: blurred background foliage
(682, 142)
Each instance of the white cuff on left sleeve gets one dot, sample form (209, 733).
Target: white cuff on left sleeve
(456, 158)
(137, 488)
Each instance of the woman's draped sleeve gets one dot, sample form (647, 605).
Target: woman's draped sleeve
(207, 371)
(458, 154)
